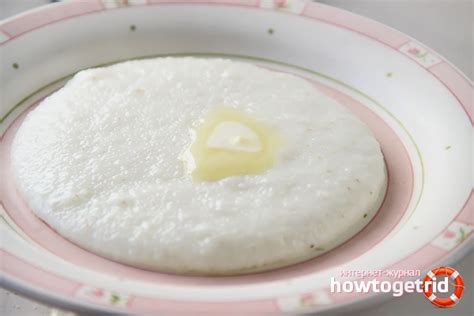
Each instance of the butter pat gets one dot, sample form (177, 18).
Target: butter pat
(230, 142)
(234, 136)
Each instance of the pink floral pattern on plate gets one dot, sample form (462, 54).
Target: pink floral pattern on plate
(300, 302)
(455, 234)
(110, 4)
(102, 296)
(294, 6)
(420, 54)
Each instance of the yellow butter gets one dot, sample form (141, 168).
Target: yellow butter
(230, 142)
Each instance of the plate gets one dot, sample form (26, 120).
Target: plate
(417, 104)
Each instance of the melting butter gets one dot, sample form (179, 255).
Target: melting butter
(230, 142)
(236, 136)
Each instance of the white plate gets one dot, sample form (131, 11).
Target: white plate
(418, 105)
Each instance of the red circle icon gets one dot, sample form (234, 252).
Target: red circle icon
(458, 287)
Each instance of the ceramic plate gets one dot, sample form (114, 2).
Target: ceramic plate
(417, 104)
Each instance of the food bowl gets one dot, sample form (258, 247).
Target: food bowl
(416, 103)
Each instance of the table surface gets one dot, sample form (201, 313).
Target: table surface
(444, 25)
